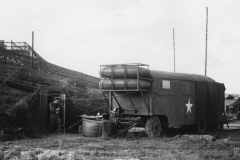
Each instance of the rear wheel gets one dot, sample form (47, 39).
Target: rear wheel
(153, 127)
(218, 126)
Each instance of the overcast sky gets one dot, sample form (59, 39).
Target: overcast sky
(83, 34)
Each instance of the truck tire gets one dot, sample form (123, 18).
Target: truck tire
(218, 126)
(201, 126)
(153, 127)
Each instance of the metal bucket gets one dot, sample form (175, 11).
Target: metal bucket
(107, 128)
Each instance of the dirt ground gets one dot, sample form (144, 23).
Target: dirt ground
(175, 144)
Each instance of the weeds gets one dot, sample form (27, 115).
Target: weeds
(80, 147)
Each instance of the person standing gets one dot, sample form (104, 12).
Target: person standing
(55, 115)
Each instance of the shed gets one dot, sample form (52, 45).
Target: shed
(228, 103)
(236, 104)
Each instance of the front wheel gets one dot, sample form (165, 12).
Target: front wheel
(153, 127)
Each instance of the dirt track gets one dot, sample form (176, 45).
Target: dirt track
(178, 144)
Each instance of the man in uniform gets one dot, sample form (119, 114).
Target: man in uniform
(55, 115)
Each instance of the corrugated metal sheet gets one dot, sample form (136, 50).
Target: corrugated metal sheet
(229, 101)
(236, 102)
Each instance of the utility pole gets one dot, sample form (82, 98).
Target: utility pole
(174, 48)
(206, 41)
(32, 47)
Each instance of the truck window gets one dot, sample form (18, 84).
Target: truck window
(166, 84)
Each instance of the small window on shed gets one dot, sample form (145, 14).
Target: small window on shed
(166, 84)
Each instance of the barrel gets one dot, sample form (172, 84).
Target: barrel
(118, 84)
(119, 72)
(97, 128)
(91, 128)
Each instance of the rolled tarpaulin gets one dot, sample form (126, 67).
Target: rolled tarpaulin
(118, 84)
(119, 72)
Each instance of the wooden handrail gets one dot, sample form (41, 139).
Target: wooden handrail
(24, 47)
(16, 45)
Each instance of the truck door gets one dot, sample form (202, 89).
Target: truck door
(188, 101)
(189, 108)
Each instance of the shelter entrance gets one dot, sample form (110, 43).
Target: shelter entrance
(66, 114)
(50, 98)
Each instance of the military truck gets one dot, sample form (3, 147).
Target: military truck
(161, 100)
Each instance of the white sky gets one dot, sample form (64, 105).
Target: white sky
(83, 34)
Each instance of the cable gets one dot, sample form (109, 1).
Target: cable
(114, 136)
(87, 99)
(72, 98)
(125, 94)
(73, 125)
(83, 99)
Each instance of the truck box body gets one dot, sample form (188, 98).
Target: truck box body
(185, 99)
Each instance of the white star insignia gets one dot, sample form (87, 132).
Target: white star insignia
(189, 105)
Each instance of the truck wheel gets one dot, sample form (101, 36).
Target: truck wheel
(201, 126)
(218, 126)
(153, 127)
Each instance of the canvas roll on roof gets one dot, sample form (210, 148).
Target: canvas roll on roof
(180, 76)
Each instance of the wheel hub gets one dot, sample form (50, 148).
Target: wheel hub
(155, 127)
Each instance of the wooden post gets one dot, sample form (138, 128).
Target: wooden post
(64, 111)
(174, 48)
(206, 41)
(32, 46)
(41, 115)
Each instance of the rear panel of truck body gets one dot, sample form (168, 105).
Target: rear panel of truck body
(133, 103)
